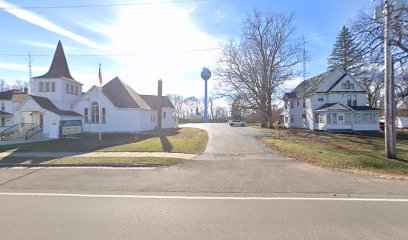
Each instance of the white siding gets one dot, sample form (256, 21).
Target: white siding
(60, 98)
(170, 121)
(117, 119)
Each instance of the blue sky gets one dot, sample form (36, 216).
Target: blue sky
(152, 40)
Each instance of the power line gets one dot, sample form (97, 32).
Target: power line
(103, 5)
(106, 54)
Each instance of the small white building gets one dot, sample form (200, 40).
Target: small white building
(57, 99)
(331, 101)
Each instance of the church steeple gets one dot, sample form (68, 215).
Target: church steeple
(59, 66)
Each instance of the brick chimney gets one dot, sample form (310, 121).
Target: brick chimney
(160, 103)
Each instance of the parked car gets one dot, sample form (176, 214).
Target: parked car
(238, 123)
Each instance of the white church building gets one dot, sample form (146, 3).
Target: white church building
(56, 105)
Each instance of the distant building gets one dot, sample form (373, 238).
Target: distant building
(56, 98)
(330, 101)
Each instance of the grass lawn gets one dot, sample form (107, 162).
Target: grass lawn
(126, 161)
(350, 152)
(182, 140)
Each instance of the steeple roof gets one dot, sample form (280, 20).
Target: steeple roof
(59, 66)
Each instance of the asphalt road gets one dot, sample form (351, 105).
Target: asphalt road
(238, 189)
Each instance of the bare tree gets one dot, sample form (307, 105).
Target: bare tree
(370, 33)
(264, 59)
(177, 101)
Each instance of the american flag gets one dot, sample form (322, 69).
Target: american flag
(100, 76)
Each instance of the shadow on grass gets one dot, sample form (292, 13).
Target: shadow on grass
(88, 143)
(167, 147)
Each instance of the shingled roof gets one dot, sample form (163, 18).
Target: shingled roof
(59, 66)
(8, 95)
(153, 101)
(309, 86)
(46, 104)
(123, 96)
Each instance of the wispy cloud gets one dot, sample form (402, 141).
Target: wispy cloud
(44, 23)
(21, 67)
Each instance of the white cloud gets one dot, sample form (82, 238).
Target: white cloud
(44, 23)
(21, 67)
(160, 36)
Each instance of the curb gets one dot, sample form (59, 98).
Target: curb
(5, 165)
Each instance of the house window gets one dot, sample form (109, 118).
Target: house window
(153, 118)
(76, 90)
(47, 86)
(41, 86)
(103, 116)
(304, 103)
(3, 121)
(291, 103)
(332, 118)
(292, 119)
(320, 99)
(164, 115)
(72, 89)
(355, 100)
(321, 118)
(3, 106)
(347, 85)
(303, 116)
(86, 115)
(94, 112)
(347, 118)
(52, 86)
(348, 100)
(316, 118)
(297, 102)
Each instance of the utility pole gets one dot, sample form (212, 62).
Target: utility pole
(390, 134)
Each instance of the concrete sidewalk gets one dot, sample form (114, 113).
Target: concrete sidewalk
(97, 154)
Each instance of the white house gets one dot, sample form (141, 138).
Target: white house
(56, 99)
(331, 101)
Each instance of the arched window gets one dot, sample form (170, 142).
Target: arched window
(95, 112)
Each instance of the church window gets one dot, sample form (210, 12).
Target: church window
(103, 116)
(95, 112)
(86, 115)
(47, 86)
(41, 86)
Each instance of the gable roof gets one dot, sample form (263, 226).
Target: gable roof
(153, 101)
(310, 86)
(2, 113)
(48, 105)
(123, 96)
(8, 95)
(59, 66)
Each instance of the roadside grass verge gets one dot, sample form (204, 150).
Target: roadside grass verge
(348, 152)
(125, 161)
(182, 140)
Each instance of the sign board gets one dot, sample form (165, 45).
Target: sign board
(70, 127)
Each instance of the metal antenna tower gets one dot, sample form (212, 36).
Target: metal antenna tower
(304, 58)
(30, 72)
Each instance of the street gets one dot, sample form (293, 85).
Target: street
(237, 189)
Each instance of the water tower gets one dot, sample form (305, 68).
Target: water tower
(205, 75)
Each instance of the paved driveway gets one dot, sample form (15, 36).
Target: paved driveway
(237, 189)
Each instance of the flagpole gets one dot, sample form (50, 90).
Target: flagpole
(100, 111)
